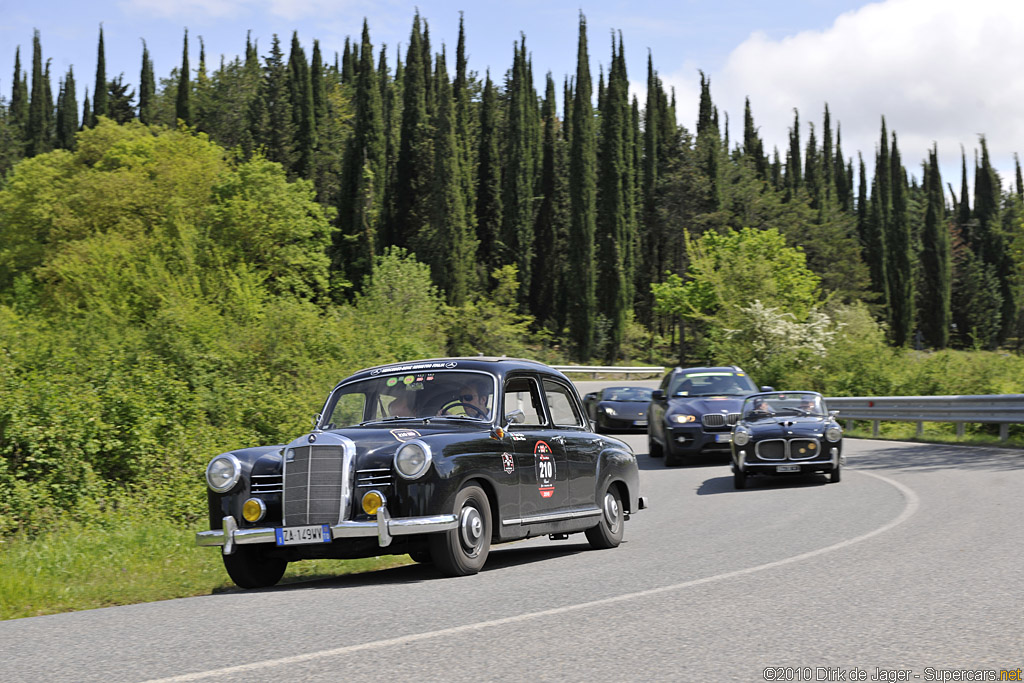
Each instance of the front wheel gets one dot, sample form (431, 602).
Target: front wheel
(835, 475)
(654, 449)
(739, 479)
(463, 550)
(608, 533)
(249, 567)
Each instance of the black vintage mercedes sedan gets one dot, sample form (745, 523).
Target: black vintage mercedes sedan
(435, 458)
(784, 433)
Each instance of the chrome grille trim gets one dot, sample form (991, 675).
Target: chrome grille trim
(373, 478)
(267, 483)
(795, 444)
(318, 481)
(719, 419)
(771, 449)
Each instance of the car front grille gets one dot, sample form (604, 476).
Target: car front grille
(804, 449)
(316, 485)
(772, 449)
(719, 419)
(267, 483)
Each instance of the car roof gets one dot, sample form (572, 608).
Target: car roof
(497, 365)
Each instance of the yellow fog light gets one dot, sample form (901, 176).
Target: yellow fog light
(373, 501)
(253, 510)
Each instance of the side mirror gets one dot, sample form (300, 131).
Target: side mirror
(658, 395)
(590, 396)
(767, 388)
(833, 413)
(517, 416)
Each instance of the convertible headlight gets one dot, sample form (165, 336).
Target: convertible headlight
(223, 472)
(412, 459)
(833, 433)
(741, 437)
(680, 418)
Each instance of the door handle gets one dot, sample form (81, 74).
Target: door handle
(559, 440)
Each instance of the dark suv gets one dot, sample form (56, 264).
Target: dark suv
(693, 411)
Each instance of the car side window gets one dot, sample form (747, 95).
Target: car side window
(522, 402)
(564, 410)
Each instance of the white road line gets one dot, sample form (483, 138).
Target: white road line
(912, 504)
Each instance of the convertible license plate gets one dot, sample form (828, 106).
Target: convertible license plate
(787, 468)
(302, 535)
(723, 438)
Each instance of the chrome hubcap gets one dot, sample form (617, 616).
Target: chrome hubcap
(611, 512)
(471, 529)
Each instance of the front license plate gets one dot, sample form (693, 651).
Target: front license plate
(639, 423)
(302, 535)
(723, 438)
(787, 468)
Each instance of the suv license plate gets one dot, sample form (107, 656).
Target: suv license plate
(723, 438)
(787, 468)
(302, 535)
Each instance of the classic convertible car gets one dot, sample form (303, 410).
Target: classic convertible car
(784, 433)
(435, 458)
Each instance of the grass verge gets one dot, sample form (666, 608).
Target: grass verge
(78, 568)
(936, 432)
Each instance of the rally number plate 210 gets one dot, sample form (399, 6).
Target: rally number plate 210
(302, 535)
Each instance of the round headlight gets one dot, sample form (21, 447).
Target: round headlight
(223, 472)
(741, 437)
(412, 459)
(833, 433)
(680, 418)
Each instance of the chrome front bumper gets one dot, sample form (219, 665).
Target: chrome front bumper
(835, 460)
(384, 528)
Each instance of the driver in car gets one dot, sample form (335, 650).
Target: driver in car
(471, 398)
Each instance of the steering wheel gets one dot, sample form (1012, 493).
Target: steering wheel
(466, 407)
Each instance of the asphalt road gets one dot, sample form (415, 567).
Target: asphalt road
(912, 562)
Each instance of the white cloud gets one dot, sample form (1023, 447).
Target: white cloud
(941, 71)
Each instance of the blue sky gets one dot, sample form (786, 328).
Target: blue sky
(941, 71)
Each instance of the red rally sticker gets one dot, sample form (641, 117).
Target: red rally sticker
(545, 469)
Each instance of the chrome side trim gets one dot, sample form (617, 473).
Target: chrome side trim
(558, 517)
(405, 526)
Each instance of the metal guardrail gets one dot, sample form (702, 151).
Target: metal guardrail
(1001, 409)
(611, 369)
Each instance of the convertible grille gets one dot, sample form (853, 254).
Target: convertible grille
(772, 449)
(315, 485)
(373, 478)
(267, 483)
(719, 419)
(804, 449)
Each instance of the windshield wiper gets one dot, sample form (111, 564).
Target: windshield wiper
(392, 418)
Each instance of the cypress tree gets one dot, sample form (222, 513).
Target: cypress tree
(465, 128)
(19, 97)
(878, 222)
(348, 67)
(456, 254)
(843, 184)
(520, 163)
(365, 168)
(794, 177)
(964, 207)
(48, 110)
(271, 113)
(899, 255)
(612, 243)
(827, 161)
(147, 87)
(318, 81)
(413, 171)
(992, 245)
(709, 144)
(1020, 180)
(183, 101)
(36, 132)
(812, 181)
(67, 113)
(99, 90)
(583, 201)
(489, 206)
(300, 91)
(936, 261)
(86, 109)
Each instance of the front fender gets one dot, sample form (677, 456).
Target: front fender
(618, 463)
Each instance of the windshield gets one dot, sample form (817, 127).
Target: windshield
(627, 394)
(711, 383)
(406, 396)
(783, 404)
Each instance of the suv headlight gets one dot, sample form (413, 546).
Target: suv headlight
(834, 433)
(223, 472)
(412, 459)
(681, 418)
(740, 437)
